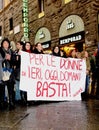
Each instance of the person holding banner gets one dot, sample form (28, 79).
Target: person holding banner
(17, 58)
(56, 51)
(38, 48)
(27, 47)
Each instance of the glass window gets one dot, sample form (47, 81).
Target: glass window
(11, 23)
(41, 6)
(0, 30)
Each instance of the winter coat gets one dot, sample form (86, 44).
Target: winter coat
(1, 71)
(5, 64)
(37, 52)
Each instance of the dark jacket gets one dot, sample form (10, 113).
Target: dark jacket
(37, 52)
(7, 64)
(97, 60)
(17, 64)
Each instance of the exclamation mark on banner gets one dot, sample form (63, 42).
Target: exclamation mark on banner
(69, 90)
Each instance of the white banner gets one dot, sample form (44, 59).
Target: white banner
(46, 77)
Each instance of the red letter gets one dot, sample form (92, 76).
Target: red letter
(53, 89)
(31, 57)
(39, 91)
(64, 89)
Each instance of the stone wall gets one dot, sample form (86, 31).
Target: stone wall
(55, 12)
(12, 10)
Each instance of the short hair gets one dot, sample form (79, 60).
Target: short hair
(7, 40)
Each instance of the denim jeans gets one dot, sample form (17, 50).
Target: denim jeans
(17, 91)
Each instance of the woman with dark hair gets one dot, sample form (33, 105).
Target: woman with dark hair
(56, 50)
(6, 55)
(38, 48)
(27, 47)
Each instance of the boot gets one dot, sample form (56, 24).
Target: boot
(2, 94)
(11, 95)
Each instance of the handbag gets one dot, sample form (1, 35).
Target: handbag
(6, 74)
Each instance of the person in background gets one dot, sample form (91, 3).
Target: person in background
(97, 73)
(27, 47)
(17, 58)
(73, 53)
(38, 49)
(78, 55)
(8, 64)
(56, 51)
(85, 56)
(93, 73)
(63, 54)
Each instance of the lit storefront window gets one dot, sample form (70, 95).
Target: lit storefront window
(67, 1)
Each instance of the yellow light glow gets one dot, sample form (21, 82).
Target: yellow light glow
(41, 14)
(6, 2)
(68, 49)
(67, 1)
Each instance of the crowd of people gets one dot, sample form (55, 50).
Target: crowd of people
(10, 61)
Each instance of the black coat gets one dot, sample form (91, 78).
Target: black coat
(37, 52)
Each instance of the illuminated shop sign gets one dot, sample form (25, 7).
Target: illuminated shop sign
(72, 38)
(46, 45)
(25, 18)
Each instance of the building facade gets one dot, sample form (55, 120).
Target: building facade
(68, 23)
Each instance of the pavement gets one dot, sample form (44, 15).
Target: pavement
(68, 115)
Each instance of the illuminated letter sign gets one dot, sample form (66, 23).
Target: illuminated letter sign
(25, 18)
(72, 38)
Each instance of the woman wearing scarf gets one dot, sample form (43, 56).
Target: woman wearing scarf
(6, 56)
